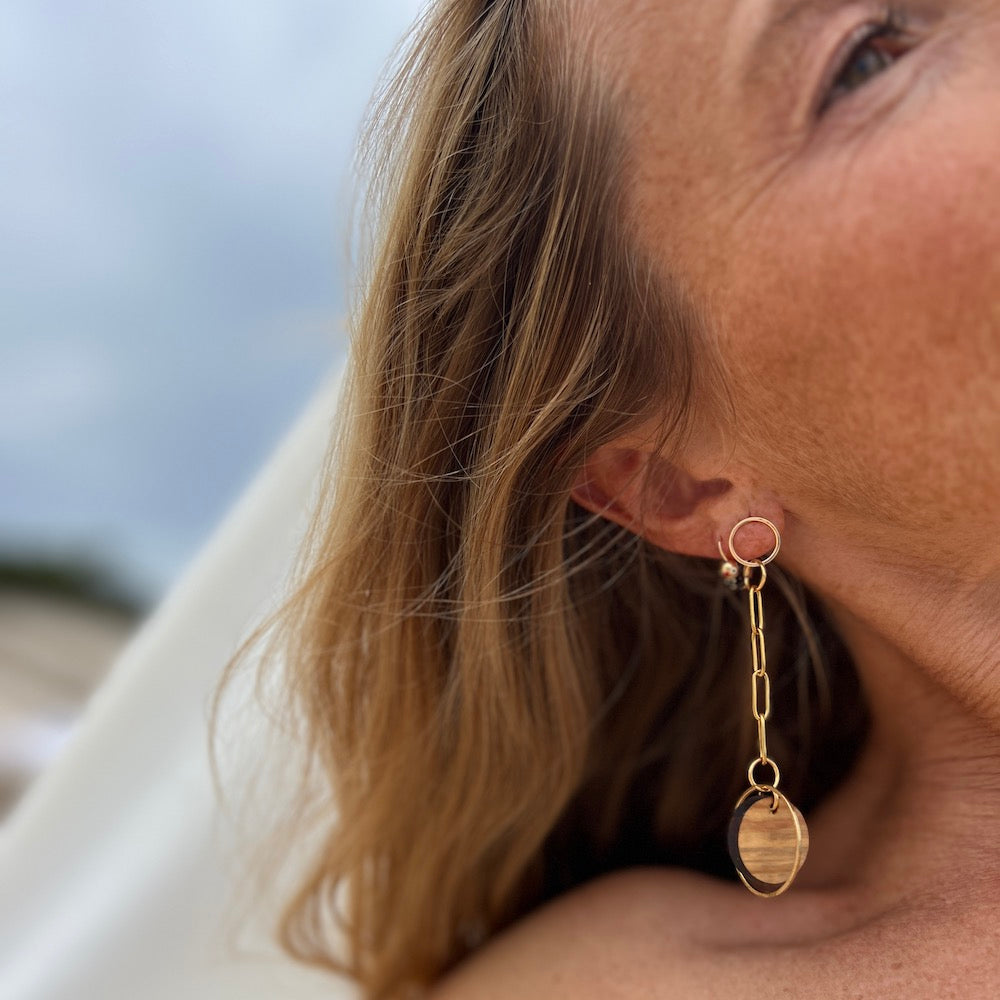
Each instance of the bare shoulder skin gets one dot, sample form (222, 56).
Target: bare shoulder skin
(665, 934)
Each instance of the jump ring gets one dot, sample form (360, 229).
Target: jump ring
(753, 767)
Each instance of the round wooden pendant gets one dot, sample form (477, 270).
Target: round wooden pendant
(768, 840)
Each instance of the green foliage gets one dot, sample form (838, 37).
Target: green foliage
(77, 577)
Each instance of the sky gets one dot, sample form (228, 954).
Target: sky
(175, 187)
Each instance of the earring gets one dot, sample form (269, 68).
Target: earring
(768, 838)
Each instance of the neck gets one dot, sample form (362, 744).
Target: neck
(915, 824)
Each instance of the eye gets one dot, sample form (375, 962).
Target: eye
(874, 47)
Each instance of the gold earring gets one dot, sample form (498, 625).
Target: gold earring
(768, 838)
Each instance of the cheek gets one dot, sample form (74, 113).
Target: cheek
(863, 315)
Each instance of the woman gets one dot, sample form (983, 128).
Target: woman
(644, 270)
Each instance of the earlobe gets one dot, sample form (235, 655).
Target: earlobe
(668, 505)
(611, 484)
(651, 496)
(589, 495)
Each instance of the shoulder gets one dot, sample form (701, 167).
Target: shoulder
(615, 936)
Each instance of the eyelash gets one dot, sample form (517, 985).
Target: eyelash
(892, 25)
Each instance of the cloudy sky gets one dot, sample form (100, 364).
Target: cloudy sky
(174, 188)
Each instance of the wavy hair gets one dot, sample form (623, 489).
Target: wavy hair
(505, 695)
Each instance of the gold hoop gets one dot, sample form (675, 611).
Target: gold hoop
(754, 562)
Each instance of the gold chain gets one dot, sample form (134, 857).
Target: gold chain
(760, 683)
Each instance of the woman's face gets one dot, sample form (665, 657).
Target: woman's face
(825, 179)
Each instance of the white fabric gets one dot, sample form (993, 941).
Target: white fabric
(116, 869)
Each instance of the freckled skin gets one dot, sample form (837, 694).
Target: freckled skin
(850, 271)
(853, 269)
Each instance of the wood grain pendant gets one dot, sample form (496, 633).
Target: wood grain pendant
(768, 840)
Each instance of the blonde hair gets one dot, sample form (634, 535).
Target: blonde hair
(506, 695)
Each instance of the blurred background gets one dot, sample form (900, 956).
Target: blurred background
(175, 193)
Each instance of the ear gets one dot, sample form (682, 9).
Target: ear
(685, 506)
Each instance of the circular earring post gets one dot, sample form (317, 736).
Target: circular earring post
(754, 562)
